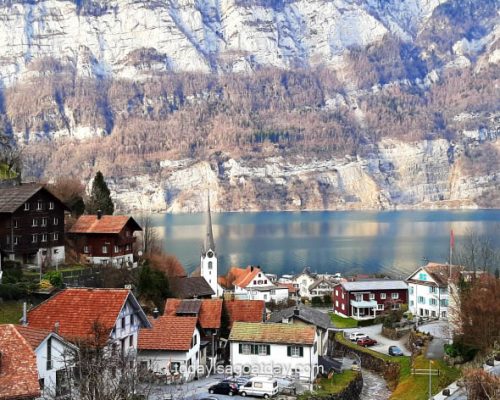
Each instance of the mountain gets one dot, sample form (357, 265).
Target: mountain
(272, 104)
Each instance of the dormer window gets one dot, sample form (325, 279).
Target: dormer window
(26, 206)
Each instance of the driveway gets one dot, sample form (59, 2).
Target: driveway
(383, 343)
(438, 329)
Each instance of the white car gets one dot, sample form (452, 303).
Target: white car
(355, 336)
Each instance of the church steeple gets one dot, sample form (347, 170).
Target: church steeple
(208, 262)
(209, 236)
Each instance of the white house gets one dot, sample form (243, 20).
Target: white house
(78, 313)
(280, 350)
(54, 359)
(303, 281)
(172, 348)
(321, 287)
(428, 291)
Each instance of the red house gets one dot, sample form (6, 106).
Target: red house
(105, 239)
(366, 299)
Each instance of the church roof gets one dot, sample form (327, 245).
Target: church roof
(209, 235)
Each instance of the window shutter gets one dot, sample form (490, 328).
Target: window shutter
(288, 351)
(240, 348)
(268, 350)
(301, 351)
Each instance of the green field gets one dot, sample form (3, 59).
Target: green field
(329, 386)
(343, 323)
(10, 312)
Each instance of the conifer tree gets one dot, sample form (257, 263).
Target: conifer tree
(100, 197)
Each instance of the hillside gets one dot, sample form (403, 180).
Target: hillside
(272, 104)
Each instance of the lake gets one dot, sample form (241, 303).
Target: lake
(390, 242)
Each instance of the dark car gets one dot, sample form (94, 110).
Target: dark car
(366, 342)
(224, 388)
(395, 351)
(238, 381)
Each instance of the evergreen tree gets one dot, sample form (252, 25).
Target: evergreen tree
(100, 198)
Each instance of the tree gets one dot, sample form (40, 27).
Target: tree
(70, 191)
(477, 252)
(481, 385)
(100, 197)
(153, 286)
(150, 240)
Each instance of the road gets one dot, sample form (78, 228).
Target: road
(383, 343)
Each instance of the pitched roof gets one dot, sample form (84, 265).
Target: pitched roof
(304, 313)
(190, 287)
(18, 373)
(439, 273)
(11, 198)
(209, 315)
(33, 336)
(234, 274)
(245, 310)
(289, 286)
(272, 333)
(242, 276)
(170, 333)
(77, 310)
(104, 224)
(306, 271)
(321, 280)
(375, 284)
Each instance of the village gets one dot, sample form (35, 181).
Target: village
(208, 335)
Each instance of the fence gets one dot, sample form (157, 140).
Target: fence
(425, 371)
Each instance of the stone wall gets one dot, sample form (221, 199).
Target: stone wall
(351, 392)
(395, 333)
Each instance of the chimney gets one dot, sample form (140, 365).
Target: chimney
(24, 320)
(251, 268)
(99, 214)
(56, 327)
(296, 311)
(156, 313)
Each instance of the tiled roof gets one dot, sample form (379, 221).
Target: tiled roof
(18, 373)
(247, 276)
(245, 311)
(189, 306)
(33, 336)
(289, 286)
(272, 333)
(439, 272)
(76, 311)
(190, 287)
(319, 281)
(379, 284)
(105, 224)
(304, 313)
(11, 198)
(168, 333)
(209, 315)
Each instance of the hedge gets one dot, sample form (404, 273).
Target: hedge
(10, 291)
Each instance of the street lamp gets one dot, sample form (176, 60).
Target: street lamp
(435, 351)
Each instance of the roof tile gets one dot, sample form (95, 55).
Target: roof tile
(105, 224)
(209, 315)
(169, 333)
(272, 333)
(245, 311)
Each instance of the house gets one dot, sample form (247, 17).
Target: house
(18, 369)
(321, 287)
(171, 348)
(192, 287)
(305, 315)
(252, 283)
(428, 288)
(281, 350)
(54, 358)
(367, 299)
(104, 317)
(244, 311)
(32, 225)
(208, 314)
(303, 281)
(105, 239)
(293, 292)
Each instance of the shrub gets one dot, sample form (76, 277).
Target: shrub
(55, 278)
(316, 301)
(12, 272)
(459, 349)
(9, 291)
(327, 299)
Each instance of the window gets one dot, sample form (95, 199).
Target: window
(86, 249)
(343, 306)
(315, 348)
(116, 249)
(35, 222)
(432, 289)
(245, 348)
(295, 351)
(383, 296)
(273, 292)
(411, 289)
(444, 302)
(396, 306)
(104, 249)
(55, 236)
(195, 338)
(210, 265)
(16, 240)
(15, 223)
(26, 206)
(359, 297)
(55, 221)
(336, 303)
(372, 296)
(34, 238)
(131, 319)
(51, 205)
(395, 295)
(412, 303)
(443, 314)
(128, 247)
(131, 341)
(380, 307)
(264, 349)
(44, 221)
(44, 237)
(432, 302)
(128, 233)
(123, 323)
(296, 373)
(265, 281)
(422, 276)
(49, 353)
(421, 300)
(39, 205)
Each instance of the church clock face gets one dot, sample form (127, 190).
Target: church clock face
(210, 254)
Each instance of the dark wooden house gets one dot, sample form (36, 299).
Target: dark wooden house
(105, 239)
(31, 225)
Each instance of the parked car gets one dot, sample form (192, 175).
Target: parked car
(367, 341)
(395, 351)
(355, 336)
(260, 386)
(223, 388)
(237, 380)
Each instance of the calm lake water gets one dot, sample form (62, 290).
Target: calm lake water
(392, 242)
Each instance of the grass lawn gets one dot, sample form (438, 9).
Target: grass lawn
(336, 384)
(10, 312)
(343, 323)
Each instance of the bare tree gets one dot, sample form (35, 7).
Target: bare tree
(477, 252)
(150, 240)
(481, 385)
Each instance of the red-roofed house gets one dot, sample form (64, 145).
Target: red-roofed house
(251, 283)
(105, 239)
(18, 372)
(53, 357)
(171, 347)
(244, 311)
(78, 313)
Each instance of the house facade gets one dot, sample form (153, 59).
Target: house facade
(105, 239)
(303, 281)
(54, 358)
(280, 350)
(171, 348)
(367, 299)
(31, 225)
(321, 287)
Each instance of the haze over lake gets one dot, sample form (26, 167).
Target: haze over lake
(392, 242)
